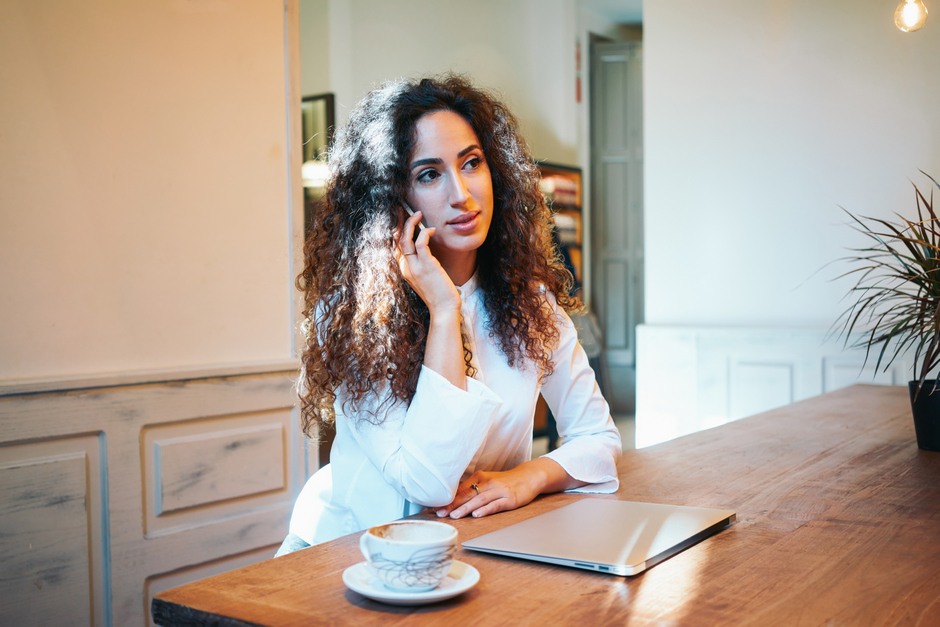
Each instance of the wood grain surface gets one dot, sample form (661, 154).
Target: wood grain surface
(838, 524)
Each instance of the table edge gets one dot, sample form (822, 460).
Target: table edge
(169, 614)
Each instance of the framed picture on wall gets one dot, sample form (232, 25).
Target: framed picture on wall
(561, 186)
(316, 126)
(317, 122)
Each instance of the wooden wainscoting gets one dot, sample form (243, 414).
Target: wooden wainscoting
(692, 378)
(111, 494)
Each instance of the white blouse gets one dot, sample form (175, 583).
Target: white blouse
(418, 455)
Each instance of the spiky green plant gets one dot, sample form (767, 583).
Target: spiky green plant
(897, 294)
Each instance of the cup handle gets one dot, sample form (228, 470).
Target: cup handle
(363, 541)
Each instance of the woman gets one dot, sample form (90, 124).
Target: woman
(430, 336)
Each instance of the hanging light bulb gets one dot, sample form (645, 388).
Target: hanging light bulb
(910, 15)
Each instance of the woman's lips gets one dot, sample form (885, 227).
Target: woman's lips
(465, 222)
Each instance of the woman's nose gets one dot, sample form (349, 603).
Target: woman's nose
(459, 192)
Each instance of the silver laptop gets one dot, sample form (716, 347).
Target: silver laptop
(605, 535)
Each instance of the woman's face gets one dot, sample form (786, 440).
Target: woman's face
(450, 184)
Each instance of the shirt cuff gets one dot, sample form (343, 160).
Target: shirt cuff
(594, 465)
(440, 385)
(607, 487)
(444, 428)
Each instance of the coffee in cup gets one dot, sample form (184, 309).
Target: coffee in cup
(412, 556)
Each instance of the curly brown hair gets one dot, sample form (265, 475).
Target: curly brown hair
(365, 327)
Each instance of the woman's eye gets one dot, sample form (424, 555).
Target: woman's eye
(428, 175)
(473, 163)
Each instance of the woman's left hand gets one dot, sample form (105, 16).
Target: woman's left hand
(503, 491)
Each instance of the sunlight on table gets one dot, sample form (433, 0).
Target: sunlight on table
(671, 584)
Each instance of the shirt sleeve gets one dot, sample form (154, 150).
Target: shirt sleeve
(590, 442)
(422, 450)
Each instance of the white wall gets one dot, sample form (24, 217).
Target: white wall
(314, 47)
(761, 119)
(524, 50)
(144, 192)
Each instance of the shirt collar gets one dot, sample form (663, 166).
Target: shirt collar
(469, 287)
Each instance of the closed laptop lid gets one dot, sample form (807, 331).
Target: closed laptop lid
(607, 535)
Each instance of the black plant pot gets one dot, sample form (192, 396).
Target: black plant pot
(926, 411)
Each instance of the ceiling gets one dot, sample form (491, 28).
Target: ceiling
(619, 11)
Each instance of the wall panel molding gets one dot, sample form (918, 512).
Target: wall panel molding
(209, 468)
(694, 378)
(11, 387)
(232, 461)
(200, 471)
(53, 501)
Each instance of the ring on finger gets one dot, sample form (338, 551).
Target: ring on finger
(414, 253)
(476, 488)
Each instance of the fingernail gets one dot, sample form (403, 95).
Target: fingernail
(441, 513)
(454, 514)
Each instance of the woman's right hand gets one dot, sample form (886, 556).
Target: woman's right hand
(443, 352)
(424, 272)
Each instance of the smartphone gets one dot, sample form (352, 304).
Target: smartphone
(411, 212)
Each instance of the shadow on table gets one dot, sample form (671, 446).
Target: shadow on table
(354, 598)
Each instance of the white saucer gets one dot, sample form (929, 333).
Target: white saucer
(459, 579)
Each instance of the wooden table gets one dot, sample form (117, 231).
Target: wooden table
(838, 524)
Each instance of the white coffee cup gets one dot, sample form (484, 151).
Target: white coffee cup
(412, 556)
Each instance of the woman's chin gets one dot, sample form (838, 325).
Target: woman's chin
(455, 246)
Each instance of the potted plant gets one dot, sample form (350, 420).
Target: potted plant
(896, 304)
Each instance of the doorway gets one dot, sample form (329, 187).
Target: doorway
(617, 210)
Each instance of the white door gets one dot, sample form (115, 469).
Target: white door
(617, 197)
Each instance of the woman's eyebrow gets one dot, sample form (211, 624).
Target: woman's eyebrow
(421, 162)
(468, 149)
(437, 161)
